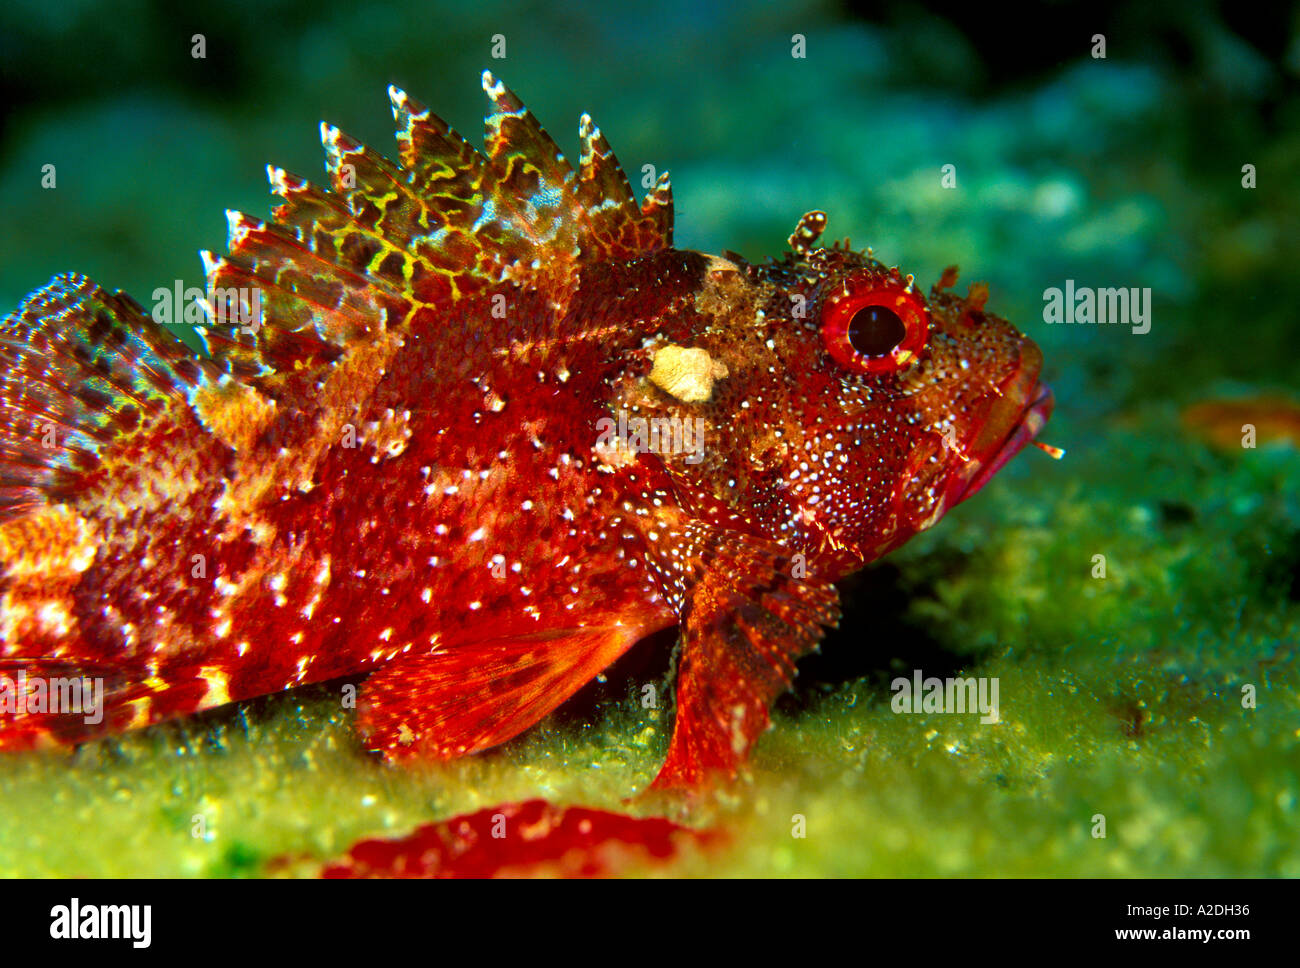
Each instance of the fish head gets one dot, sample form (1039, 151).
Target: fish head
(846, 411)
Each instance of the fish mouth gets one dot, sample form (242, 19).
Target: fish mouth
(1022, 410)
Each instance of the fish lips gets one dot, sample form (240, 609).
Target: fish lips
(1014, 419)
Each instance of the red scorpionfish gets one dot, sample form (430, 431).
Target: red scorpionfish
(472, 425)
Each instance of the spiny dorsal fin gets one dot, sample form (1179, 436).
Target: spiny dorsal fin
(335, 269)
(79, 368)
(344, 264)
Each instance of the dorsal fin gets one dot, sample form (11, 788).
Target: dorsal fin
(334, 270)
(344, 264)
(79, 367)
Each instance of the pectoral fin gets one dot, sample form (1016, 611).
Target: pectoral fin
(745, 621)
(466, 698)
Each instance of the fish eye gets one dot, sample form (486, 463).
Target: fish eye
(875, 326)
(875, 330)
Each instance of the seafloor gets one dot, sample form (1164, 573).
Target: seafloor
(1120, 696)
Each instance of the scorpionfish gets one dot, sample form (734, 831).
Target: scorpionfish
(470, 426)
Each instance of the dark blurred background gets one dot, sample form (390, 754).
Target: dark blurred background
(1123, 171)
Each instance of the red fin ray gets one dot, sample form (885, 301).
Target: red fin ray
(100, 684)
(520, 200)
(79, 368)
(132, 692)
(470, 697)
(310, 309)
(340, 266)
(601, 179)
(745, 622)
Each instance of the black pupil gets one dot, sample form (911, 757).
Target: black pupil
(876, 330)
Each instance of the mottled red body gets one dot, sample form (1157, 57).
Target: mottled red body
(401, 458)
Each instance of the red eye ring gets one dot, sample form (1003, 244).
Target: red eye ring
(865, 292)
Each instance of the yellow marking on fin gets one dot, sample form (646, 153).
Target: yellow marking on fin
(140, 716)
(218, 693)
